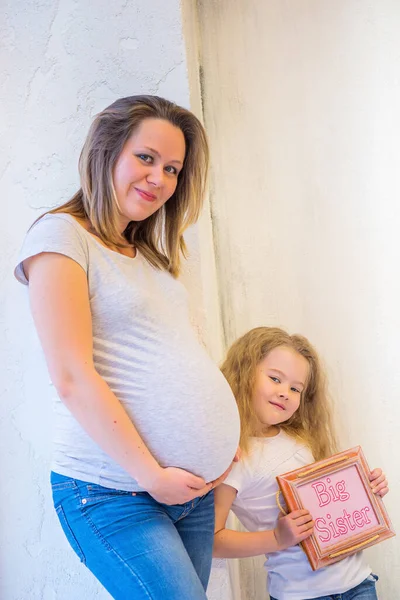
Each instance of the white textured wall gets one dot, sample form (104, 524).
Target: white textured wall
(302, 106)
(60, 63)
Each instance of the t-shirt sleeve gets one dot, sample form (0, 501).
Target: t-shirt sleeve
(304, 456)
(53, 233)
(239, 477)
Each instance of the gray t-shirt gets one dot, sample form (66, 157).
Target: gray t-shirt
(145, 348)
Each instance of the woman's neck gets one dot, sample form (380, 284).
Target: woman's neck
(128, 250)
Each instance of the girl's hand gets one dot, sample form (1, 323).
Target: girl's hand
(293, 528)
(172, 485)
(379, 482)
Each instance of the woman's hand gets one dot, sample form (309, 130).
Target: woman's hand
(293, 528)
(177, 486)
(172, 485)
(378, 482)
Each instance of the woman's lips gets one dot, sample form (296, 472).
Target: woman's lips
(146, 195)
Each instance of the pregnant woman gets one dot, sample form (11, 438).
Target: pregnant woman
(146, 424)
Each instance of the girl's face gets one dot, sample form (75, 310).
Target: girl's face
(280, 379)
(146, 172)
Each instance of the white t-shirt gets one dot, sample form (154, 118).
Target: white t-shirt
(147, 351)
(290, 576)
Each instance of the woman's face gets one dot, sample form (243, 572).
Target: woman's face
(146, 172)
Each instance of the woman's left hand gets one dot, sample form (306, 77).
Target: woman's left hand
(379, 482)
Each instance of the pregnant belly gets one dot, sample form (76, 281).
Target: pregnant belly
(196, 442)
(180, 403)
(194, 427)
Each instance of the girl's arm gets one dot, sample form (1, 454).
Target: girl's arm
(60, 307)
(290, 530)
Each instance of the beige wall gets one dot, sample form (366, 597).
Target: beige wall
(302, 104)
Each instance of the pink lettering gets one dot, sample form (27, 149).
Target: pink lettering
(332, 526)
(348, 519)
(364, 512)
(343, 529)
(318, 527)
(332, 491)
(323, 496)
(329, 494)
(341, 487)
(358, 518)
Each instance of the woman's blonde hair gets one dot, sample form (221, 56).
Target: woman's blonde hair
(159, 237)
(312, 422)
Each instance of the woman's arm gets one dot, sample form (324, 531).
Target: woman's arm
(290, 530)
(60, 307)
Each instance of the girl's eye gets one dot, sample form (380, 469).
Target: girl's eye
(275, 379)
(146, 158)
(295, 390)
(171, 170)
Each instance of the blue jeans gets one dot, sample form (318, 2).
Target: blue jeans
(137, 548)
(365, 591)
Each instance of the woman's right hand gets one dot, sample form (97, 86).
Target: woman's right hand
(172, 485)
(186, 486)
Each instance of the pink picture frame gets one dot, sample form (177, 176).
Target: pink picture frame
(347, 515)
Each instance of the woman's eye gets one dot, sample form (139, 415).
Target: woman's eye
(171, 170)
(145, 157)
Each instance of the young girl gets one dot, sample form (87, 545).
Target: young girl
(286, 424)
(145, 422)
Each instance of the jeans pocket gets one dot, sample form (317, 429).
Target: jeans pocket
(93, 493)
(69, 534)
